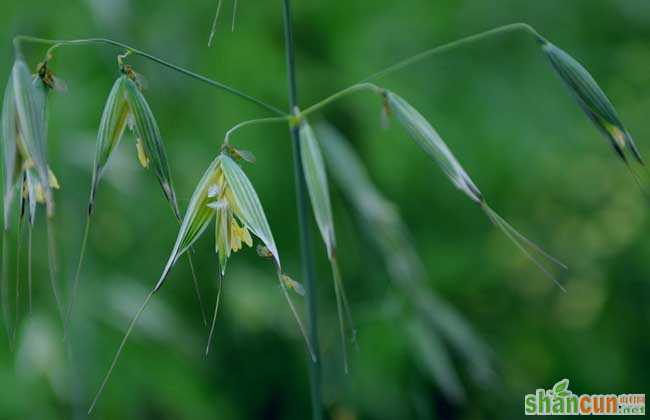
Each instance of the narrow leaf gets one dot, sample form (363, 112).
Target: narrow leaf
(436, 360)
(592, 100)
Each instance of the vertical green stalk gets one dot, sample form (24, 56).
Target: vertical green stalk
(303, 224)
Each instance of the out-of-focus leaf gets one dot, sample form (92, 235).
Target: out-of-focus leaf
(436, 360)
(389, 234)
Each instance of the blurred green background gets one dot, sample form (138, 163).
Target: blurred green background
(497, 104)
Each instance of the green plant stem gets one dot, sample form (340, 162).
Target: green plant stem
(253, 122)
(452, 45)
(58, 43)
(338, 95)
(366, 85)
(303, 224)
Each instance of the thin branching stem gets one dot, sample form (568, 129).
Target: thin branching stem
(340, 94)
(53, 267)
(56, 43)
(366, 85)
(213, 30)
(253, 122)
(75, 283)
(451, 46)
(216, 311)
(339, 307)
(29, 266)
(197, 290)
(120, 348)
(19, 237)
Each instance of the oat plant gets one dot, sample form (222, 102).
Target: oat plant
(225, 198)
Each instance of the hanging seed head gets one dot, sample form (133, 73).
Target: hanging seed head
(24, 132)
(592, 100)
(127, 107)
(317, 185)
(424, 134)
(226, 195)
(12, 158)
(430, 141)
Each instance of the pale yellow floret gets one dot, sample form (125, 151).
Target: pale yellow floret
(230, 235)
(142, 156)
(617, 134)
(40, 192)
(54, 183)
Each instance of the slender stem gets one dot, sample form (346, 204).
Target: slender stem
(365, 85)
(352, 89)
(453, 45)
(253, 122)
(58, 43)
(303, 223)
(4, 286)
(75, 282)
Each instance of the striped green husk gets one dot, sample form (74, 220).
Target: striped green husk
(32, 126)
(196, 219)
(424, 134)
(248, 207)
(147, 129)
(592, 100)
(11, 159)
(111, 128)
(383, 226)
(318, 188)
(430, 141)
(316, 180)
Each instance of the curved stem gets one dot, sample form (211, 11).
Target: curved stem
(352, 89)
(453, 45)
(253, 122)
(58, 43)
